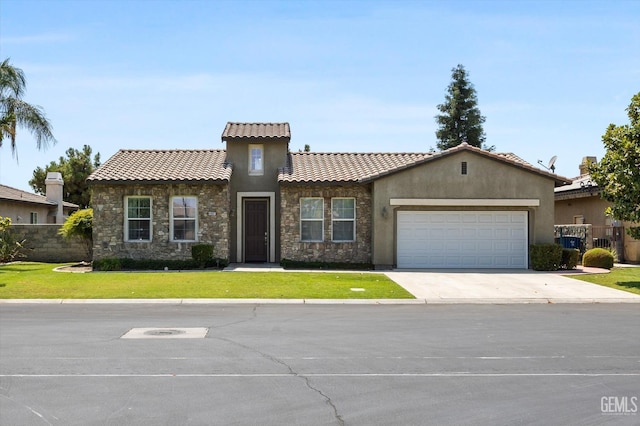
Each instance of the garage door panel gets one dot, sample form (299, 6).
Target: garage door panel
(486, 239)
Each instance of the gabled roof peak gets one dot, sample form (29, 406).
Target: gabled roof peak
(234, 131)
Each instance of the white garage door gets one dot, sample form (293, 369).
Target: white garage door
(462, 239)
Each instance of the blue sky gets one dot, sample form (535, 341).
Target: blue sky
(349, 76)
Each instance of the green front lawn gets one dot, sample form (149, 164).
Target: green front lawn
(627, 279)
(25, 280)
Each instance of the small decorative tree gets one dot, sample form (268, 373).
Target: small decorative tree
(79, 225)
(10, 249)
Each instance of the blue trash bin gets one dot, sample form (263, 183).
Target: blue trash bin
(571, 242)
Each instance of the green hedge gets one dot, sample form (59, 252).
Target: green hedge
(124, 264)
(545, 257)
(598, 258)
(570, 258)
(298, 264)
(202, 253)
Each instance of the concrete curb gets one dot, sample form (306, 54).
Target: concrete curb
(451, 301)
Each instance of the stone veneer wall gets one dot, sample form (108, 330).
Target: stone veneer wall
(292, 248)
(43, 244)
(108, 221)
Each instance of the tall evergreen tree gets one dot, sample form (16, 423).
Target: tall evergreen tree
(14, 112)
(460, 120)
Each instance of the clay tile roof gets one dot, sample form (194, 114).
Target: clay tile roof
(309, 167)
(14, 194)
(235, 131)
(344, 167)
(163, 166)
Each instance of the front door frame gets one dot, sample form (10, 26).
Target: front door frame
(271, 196)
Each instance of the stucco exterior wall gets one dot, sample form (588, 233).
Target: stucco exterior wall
(358, 251)
(442, 179)
(591, 208)
(21, 212)
(109, 216)
(275, 157)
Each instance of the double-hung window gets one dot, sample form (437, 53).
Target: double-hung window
(311, 219)
(137, 224)
(184, 213)
(256, 160)
(343, 219)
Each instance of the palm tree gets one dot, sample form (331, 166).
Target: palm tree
(14, 112)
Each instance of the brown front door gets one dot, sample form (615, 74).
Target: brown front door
(256, 237)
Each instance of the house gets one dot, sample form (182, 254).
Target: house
(581, 203)
(256, 201)
(28, 208)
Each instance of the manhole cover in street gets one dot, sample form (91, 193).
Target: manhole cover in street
(166, 333)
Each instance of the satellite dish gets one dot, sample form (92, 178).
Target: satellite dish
(551, 165)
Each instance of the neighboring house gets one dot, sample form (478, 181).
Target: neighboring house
(581, 203)
(258, 202)
(28, 208)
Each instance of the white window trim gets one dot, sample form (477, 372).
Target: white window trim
(321, 220)
(126, 218)
(344, 220)
(171, 221)
(256, 172)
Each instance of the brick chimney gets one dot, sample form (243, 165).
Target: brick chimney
(584, 166)
(54, 190)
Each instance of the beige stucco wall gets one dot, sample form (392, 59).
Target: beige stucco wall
(108, 221)
(21, 212)
(592, 208)
(275, 157)
(442, 178)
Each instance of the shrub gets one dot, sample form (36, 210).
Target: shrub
(124, 264)
(10, 249)
(300, 264)
(598, 258)
(108, 264)
(202, 253)
(545, 257)
(79, 225)
(570, 258)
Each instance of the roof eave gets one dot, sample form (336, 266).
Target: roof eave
(156, 181)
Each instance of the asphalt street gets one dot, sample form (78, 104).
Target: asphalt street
(320, 364)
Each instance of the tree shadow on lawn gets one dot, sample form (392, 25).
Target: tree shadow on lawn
(629, 284)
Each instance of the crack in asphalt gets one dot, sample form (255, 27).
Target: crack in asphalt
(41, 416)
(254, 314)
(294, 373)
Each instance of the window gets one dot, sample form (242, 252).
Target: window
(311, 219)
(183, 218)
(137, 222)
(256, 167)
(343, 219)
(464, 167)
(34, 218)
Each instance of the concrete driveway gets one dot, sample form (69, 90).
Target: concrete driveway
(505, 286)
